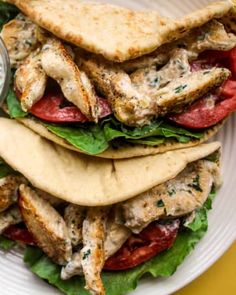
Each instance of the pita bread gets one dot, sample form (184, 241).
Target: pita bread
(124, 151)
(115, 32)
(84, 180)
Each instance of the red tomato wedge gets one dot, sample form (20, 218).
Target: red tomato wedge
(210, 110)
(18, 234)
(140, 248)
(49, 109)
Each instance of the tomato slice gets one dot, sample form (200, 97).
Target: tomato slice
(49, 109)
(140, 248)
(19, 234)
(203, 115)
(210, 110)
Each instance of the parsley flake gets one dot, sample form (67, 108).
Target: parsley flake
(171, 192)
(86, 254)
(180, 88)
(195, 184)
(160, 204)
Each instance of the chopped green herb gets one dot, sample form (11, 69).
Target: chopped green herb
(160, 204)
(180, 88)
(86, 254)
(206, 72)
(171, 192)
(195, 184)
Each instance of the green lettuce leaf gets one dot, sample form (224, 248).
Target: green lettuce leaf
(95, 139)
(118, 283)
(90, 140)
(13, 105)
(5, 169)
(200, 220)
(7, 12)
(6, 244)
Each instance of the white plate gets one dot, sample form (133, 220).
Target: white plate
(16, 279)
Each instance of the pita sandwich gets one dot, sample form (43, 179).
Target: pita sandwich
(174, 95)
(84, 213)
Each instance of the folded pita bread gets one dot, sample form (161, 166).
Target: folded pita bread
(117, 33)
(84, 180)
(126, 150)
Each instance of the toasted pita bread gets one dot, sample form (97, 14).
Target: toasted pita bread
(117, 33)
(126, 150)
(84, 180)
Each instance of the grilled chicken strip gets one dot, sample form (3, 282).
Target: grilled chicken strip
(149, 80)
(92, 253)
(211, 36)
(182, 195)
(19, 36)
(187, 89)
(31, 80)
(116, 235)
(8, 190)
(128, 104)
(75, 85)
(46, 226)
(74, 216)
(9, 217)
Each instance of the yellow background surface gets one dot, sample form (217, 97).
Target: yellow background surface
(220, 279)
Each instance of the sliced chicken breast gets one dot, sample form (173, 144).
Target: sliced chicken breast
(149, 80)
(31, 80)
(8, 190)
(19, 36)
(46, 225)
(211, 36)
(74, 216)
(128, 104)
(187, 89)
(179, 196)
(9, 217)
(92, 253)
(117, 234)
(75, 85)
